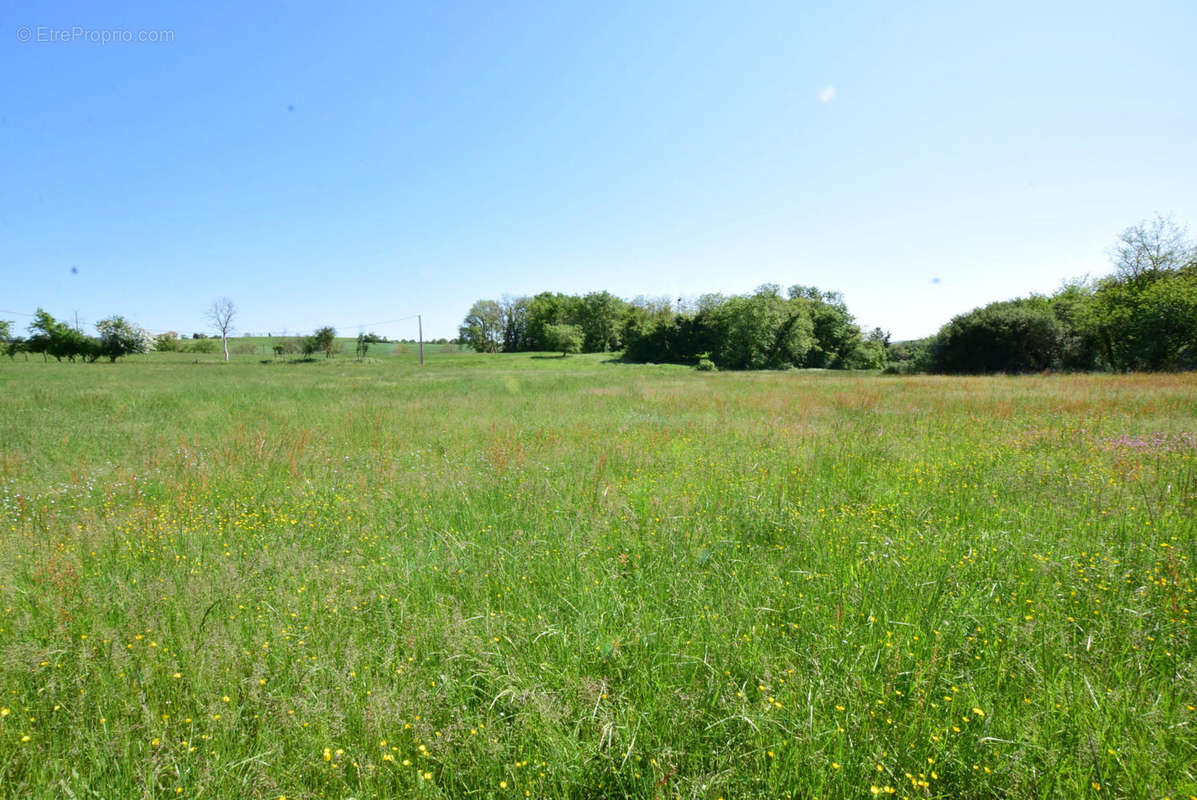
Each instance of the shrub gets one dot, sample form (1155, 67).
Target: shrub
(119, 337)
(1011, 336)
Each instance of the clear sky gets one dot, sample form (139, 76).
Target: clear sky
(348, 164)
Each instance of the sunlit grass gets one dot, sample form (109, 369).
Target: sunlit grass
(539, 577)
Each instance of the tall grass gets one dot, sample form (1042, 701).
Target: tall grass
(517, 577)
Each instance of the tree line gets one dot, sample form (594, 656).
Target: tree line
(801, 327)
(1142, 316)
(115, 337)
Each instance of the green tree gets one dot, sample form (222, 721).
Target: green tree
(599, 316)
(514, 316)
(325, 341)
(650, 331)
(482, 328)
(566, 338)
(1145, 314)
(53, 338)
(871, 353)
(1148, 322)
(1010, 336)
(837, 336)
(759, 331)
(10, 344)
(544, 310)
(119, 337)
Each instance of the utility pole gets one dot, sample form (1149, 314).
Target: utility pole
(420, 326)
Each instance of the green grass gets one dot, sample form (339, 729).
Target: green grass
(506, 576)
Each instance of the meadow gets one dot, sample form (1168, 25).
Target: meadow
(515, 576)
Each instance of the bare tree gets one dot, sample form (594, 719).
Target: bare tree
(1151, 247)
(221, 315)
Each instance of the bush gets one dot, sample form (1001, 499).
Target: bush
(566, 338)
(119, 337)
(1011, 336)
(705, 365)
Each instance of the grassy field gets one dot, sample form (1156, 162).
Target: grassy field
(511, 576)
(263, 347)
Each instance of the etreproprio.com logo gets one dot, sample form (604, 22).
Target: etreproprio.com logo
(39, 34)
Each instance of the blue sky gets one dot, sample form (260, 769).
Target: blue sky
(357, 164)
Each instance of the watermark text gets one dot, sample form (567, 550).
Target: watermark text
(42, 34)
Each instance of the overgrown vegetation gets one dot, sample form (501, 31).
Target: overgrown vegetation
(507, 577)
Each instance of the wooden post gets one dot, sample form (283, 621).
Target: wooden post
(420, 325)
